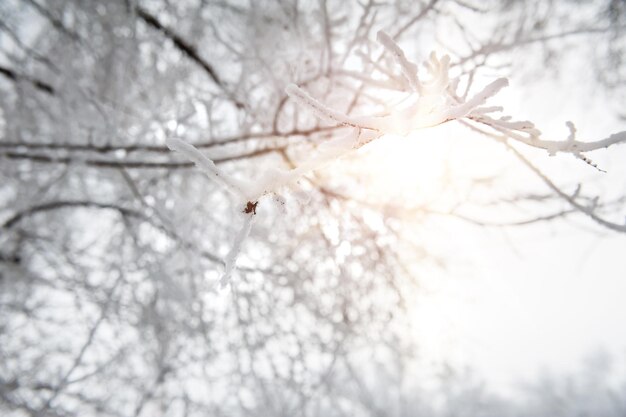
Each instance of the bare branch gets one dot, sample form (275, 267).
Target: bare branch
(187, 49)
(14, 76)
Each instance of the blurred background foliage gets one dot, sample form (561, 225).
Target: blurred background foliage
(111, 246)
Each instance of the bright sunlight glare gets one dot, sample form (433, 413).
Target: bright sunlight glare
(458, 311)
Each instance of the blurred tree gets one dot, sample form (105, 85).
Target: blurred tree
(111, 245)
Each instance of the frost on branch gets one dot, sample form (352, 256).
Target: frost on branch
(249, 193)
(273, 178)
(429, 102)
(525, 132)
(409, 70)
(432, 101)
(233, 254)
(207, 166)
(422, 102)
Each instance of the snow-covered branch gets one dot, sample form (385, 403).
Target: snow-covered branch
(525, 132)
(433, 102)
(206, 165)
(249, 193)
(425, 103)
(428, 103)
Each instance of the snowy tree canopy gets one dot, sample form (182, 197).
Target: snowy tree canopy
(198, 215)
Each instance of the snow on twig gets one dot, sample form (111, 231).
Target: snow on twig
(409, 69)
(526, 133)
(326, 113)
(206, 165)
(269, 182)
(429, 103)
(435, 101)
(231, 258)
(478, 100)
